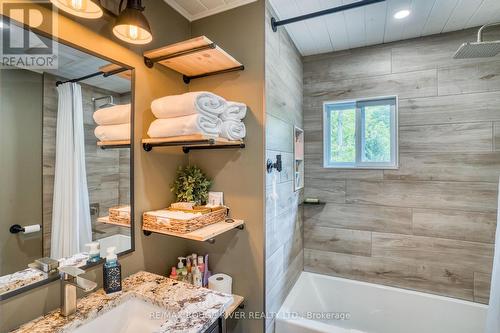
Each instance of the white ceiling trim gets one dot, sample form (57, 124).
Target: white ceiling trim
(208, 11)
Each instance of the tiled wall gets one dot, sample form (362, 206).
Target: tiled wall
(429, 225)
(107, 170)
(284, 241)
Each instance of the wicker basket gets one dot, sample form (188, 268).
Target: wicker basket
(119, 214)
(153, 221)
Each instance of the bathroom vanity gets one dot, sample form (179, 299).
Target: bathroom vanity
(148, 303)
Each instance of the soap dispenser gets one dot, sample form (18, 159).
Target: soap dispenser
(112, 272)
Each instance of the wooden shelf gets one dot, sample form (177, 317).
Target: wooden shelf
(206, 234)
(191, 142)
(105, 219)
(114, 144)
(194, 58)
(237, 303)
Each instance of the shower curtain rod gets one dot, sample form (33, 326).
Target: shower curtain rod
(104, 74)
(275, 23)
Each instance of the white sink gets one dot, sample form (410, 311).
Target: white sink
(132, 316)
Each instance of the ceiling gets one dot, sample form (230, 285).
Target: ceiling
(197, 9)
(375, 24)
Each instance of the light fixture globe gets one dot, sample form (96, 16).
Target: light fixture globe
(81, 8)
(132, 26)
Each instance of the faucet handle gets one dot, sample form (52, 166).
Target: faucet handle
(70, 271)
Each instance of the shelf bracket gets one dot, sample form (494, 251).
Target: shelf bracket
(211, 241)
(147, 232)
(187, 149)
(149, 62)
(188, 79)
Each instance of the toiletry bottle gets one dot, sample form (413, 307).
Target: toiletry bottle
(94, 253)
(188, 264)
(173, 274)
(201, 265)
(206, 272)
(197, 278)
(112, 272)
(181, 271)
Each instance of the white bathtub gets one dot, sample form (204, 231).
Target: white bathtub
(319, 303)
(121, 242)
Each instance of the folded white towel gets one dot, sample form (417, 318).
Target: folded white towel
(234, 111)
(113, 132)
(233, 130)
(188, 104)
(187, 125)
(113, 115)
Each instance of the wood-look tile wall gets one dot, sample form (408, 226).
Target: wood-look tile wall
(107, 170)
(430, 224)
(284, 241)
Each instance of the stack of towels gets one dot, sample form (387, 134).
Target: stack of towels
(114, 123)
(197, 113)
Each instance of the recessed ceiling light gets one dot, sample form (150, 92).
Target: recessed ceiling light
(402, 14)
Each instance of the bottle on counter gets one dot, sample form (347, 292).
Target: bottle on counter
(197, 277)
(173, 274)
(112, 272)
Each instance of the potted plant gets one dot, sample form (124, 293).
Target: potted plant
(191, 185)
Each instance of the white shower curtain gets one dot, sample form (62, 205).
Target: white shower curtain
(71, 225)
(493, 317)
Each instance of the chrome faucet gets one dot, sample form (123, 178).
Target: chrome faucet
(70, 280)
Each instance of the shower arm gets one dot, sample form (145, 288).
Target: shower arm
(481, 30)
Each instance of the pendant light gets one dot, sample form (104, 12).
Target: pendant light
(132, 26)
(81, 8)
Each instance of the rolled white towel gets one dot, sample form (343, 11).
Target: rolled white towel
(187, 104)
(233, 130)
(187, 125)
(234, 111)
(113, 132)
(113, 115)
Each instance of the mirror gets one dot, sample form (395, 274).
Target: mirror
(66, 163)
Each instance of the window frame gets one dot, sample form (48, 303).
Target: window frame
(359, 133)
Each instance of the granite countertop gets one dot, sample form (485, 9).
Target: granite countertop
(188, 309)
(29, 276)
(20, 279)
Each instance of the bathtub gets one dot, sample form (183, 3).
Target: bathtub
(121, 242)
(319, 303)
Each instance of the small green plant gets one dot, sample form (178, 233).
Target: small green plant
(191, 185)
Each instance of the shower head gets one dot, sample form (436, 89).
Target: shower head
(479, 49)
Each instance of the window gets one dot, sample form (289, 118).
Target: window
(361, 134)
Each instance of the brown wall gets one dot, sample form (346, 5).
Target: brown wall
(239, 173)
(153, 171)
(430, 224)
(21, 161)
(284, 241)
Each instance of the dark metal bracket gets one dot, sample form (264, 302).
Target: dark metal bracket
(193, 145)
(115, 146)
(187, 79)
(149, 62)
(276, 23)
